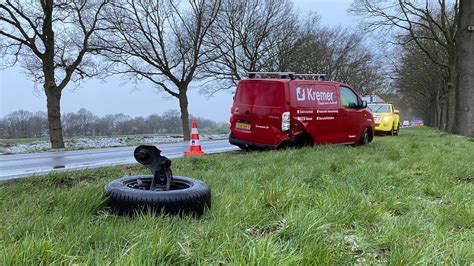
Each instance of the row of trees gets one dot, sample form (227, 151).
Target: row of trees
(269, 35)
(171, 44)
(25, 124)
(434, 70)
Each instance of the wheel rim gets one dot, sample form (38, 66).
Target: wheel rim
(145, 184)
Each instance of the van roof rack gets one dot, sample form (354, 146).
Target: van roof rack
(269, 74)
(285, 75)
(311, 76)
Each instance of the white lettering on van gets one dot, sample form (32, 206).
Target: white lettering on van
(322, 97)
(304, 118)
(300, 94)
(311, 96)
(325, 118)
(327, 111)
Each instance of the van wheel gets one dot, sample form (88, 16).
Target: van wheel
(364, 138)
(284, 145)
(242, 147)
(304, 140)
(395, 132)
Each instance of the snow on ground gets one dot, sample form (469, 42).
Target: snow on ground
(21, 148)
(81, 143)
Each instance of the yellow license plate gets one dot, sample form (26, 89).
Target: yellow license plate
(242, 126)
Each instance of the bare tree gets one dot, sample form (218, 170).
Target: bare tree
(23, 124)
(51, 40)
(249, 36)
(338, 53)
(154, 123)
(422, 84)
(104, 126)
(170, 123)
(162, 42)
(81, 123)
(465, 66)
(435, 21)
(19, 122)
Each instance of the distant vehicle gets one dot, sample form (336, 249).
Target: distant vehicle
(290, 110)
(406, 123)
(387, 119)
(418, 122)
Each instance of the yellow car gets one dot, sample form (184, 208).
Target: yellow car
(386, 118)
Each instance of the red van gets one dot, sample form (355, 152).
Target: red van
(292, 110)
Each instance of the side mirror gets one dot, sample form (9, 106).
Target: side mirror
(363, 104)
(396, 111)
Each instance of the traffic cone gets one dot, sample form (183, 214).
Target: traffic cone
(194, 146)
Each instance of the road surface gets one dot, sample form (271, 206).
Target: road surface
(23, 165)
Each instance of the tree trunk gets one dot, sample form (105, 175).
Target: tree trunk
(53, 98)
(465, 44)
(53, 93)
(433, 115)
(437, 107)
(451, 97)
(438, 114)
(183, 106)
(442, 124)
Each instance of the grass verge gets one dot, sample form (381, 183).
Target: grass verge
(402, 200)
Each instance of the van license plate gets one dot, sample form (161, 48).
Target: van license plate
(242, 126)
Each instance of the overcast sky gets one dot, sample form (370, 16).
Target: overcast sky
(116, 96)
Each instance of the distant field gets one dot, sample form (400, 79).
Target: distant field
(26, 145)
(399, 200)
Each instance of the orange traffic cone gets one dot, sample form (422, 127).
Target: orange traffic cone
(194, 146)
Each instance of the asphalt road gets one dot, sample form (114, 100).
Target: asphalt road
(23, 165)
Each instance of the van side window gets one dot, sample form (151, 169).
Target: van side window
(348, 98)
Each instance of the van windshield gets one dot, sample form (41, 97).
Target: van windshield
(260, 93)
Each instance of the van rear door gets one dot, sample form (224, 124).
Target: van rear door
(257, 111)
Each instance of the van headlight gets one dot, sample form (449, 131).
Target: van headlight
(285, 121)
(386, 118)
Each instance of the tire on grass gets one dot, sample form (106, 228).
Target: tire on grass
(364, 137)
(392, 131)
(187, 196)
(396, 131)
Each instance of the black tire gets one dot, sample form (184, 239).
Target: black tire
(396, 131)
(304, 140)
(247, 148)
(242, 147)
(284, 145)
(392, 131)
(187, 196)
(364, 138)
